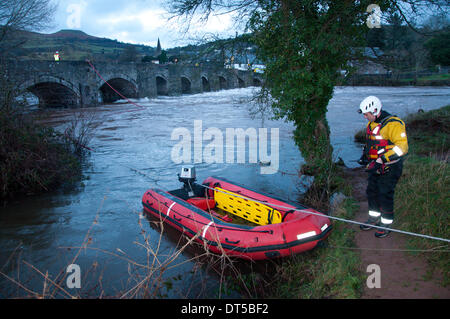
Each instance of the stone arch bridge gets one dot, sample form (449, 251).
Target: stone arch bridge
(76, 84)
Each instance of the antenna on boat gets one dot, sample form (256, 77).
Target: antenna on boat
(187, 177)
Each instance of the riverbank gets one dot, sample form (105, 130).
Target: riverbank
(410, 267)
(405, 80)
(34, 159)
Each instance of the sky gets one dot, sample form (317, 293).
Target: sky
(135, 21)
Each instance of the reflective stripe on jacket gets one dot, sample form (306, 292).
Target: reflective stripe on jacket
(386, 138)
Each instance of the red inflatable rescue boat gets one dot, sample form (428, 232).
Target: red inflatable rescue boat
(232, 219)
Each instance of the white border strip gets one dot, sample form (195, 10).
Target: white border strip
(170, 207)
(206, 228)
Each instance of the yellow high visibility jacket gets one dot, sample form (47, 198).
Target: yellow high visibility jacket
(386, 138)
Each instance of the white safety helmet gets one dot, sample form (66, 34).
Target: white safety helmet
(370, 104)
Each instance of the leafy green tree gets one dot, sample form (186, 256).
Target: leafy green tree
(163, 57)
(376, 37)
(439, 48)
(304, 44)
(148, 58)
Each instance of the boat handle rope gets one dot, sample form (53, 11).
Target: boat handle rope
(232, 241)
(337, 218)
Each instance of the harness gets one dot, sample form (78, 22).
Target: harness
(376, 144)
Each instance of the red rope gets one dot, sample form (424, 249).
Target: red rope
(122, 96)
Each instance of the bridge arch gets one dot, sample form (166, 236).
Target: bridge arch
(185, 85)
(257, 82)
(52, 92)
(125, 87)
(206, 87)
(223, 83)
(241, 83)
(161, 85)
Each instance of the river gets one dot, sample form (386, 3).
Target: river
(133, 150)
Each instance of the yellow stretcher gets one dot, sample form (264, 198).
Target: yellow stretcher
(245, 207)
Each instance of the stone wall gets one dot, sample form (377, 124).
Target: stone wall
(76, 84)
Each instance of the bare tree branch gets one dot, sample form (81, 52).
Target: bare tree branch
(25, 15)
(420, 8)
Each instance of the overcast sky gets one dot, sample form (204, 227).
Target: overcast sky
(137, 21)
(133, 21)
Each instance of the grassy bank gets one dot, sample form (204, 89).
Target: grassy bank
(325, 272)
(428, 133)
(331, 270)
(422, 206)
(34, 159)
(431, 80)
(422, 202)
(383, 80)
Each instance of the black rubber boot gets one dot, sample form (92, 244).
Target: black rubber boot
(375, 221)
(381, 233)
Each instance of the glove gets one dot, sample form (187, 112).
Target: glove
(373, 167)
(363, 160)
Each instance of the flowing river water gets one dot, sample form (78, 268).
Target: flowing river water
(133, 150)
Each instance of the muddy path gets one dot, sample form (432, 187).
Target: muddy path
(403, 275)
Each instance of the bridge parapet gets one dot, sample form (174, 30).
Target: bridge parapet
(77, 84)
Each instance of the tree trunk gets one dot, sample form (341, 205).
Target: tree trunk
(317, 151)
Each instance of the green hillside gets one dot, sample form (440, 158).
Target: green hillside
(73, 45)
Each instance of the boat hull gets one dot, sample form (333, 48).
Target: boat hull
(299, 230)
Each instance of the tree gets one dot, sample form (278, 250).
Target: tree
(45, 157)
(438, 45)
(304, 44)
(148, 58)
(32, 15)
(163, 57)
(18, 15)
(439, 48)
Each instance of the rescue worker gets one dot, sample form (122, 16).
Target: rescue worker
(386, 146)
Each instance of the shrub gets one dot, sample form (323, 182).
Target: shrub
(33, 159)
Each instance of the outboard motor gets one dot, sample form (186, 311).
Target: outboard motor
(188, 178)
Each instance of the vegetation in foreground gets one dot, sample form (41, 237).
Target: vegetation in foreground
(34, 159)
(325, 272)
(422, 202)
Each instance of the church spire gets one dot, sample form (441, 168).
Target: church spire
(158, 48)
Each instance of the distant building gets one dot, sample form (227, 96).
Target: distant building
(158, 49)
(370, 67)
